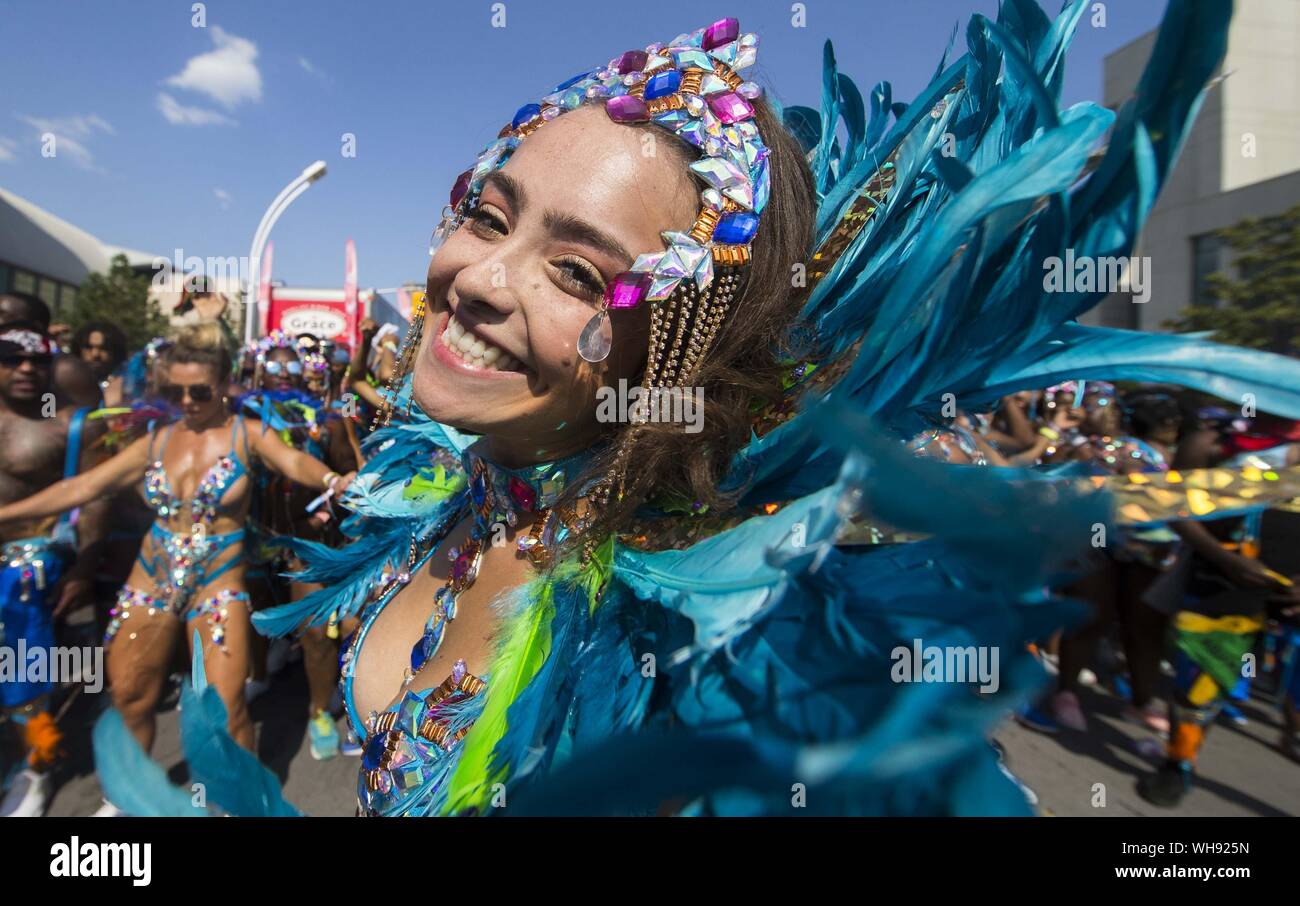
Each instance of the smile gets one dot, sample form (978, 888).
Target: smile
(459, 346)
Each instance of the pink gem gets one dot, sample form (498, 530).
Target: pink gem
(627, 108)
(631, 61)
(460, 187)
(627, 290)
(523, 496)
(460, 566)
(724, 31)
(730, 107)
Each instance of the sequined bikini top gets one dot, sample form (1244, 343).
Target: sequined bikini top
(210, 491)
(410, 747)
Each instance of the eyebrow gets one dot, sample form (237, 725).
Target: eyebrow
(560, 225)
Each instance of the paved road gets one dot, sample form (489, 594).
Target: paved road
(1242, 772)
(280, 716)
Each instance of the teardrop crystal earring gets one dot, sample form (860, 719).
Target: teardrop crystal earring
(627, 290)
(597, 337)
(446, 226)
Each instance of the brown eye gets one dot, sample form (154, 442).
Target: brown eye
(581, 276)
(486, 219)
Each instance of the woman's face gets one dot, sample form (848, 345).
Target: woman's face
(195, 390)
(277, 376)
(578, 200)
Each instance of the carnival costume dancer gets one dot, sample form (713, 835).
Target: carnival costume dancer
(679, 630)
(190, 568)
(284, 510)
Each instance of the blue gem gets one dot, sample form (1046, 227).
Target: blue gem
(419, 653)
(569, 83)
(662, 83)
(736, 228)
(374, 752)
(524, 114)
(477, 490)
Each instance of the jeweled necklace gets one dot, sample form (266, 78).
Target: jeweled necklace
(498, 498)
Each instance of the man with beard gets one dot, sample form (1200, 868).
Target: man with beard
(102, 346)
(40, 443)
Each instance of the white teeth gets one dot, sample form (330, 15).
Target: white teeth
(474, 349)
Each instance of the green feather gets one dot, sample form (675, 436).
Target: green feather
(436, 484)
(527, 645)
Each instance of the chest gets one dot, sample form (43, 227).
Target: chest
(188, 461)
(32, 450)
(384, 655)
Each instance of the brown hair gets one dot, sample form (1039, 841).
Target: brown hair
(740, 371)
(202, 344)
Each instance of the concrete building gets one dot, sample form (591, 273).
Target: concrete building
(48, 257)
(1241, 159)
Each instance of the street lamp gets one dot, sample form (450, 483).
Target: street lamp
(286, 197)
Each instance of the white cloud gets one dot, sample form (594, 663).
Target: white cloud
(8, 147)
(311, 69)
(223, 198)
(70, 135)
(227, 74)
(178, 114)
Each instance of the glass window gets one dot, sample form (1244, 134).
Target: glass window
(67, 299)
(24, 282)
(49, 293)
(1209, 256)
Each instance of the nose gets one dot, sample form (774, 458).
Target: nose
(489, 285)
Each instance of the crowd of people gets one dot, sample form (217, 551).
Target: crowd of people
(156, 488)
(1197, 611)
(166, 489)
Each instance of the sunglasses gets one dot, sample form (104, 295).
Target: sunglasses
(174, 393)
(13, 361)
(274, 368)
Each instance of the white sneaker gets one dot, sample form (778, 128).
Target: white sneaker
(27, 796)
(108, 810)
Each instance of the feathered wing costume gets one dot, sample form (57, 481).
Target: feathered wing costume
(745, 663)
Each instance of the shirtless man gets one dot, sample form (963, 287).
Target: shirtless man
(34, 436)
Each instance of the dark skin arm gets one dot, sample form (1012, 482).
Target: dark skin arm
(92, 528)
(1243, 571)
(357, 370)
(1019, 427)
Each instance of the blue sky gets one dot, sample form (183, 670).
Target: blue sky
(172, 136)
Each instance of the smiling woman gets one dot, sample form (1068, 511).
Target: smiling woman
(512, 290)
(561, 614)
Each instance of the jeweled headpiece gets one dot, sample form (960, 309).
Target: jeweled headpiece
(691, 88)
